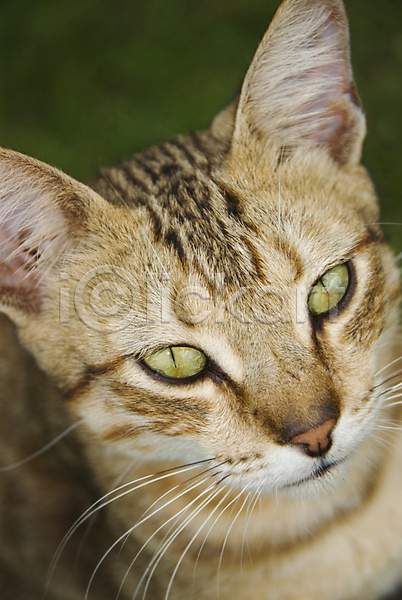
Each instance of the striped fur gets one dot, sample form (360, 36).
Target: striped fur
(211, 240)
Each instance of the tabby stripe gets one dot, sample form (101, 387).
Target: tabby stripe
(372, 237)
(255, 259)
(117, 189)
(284, 247)
(156, 220)
(90, 373)
(233, 205)
(166, 152)
(170, 169)
(185, 152)
(171, 238)
(284, 153)
(234, 208)
(147, 403)
(197, 141)
(140, 201)
(129, 176)
(147, 169)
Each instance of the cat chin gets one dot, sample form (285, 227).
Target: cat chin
(323, 480)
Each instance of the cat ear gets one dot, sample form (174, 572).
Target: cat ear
(299, 89)
(42, 214)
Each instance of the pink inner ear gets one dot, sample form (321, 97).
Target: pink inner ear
(329, 83)
(19, 280)
(323, 112)
(298, 92)
(15, 253)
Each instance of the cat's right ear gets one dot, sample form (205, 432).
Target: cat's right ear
(299, 90)
(43, 215)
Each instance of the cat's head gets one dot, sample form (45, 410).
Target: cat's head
(233, 297)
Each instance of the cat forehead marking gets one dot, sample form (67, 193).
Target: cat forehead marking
(195, 215)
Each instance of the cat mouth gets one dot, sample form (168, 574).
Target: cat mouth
(323, 468)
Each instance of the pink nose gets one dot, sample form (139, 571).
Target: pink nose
(317, 441)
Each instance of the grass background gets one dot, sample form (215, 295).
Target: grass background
(86, 83)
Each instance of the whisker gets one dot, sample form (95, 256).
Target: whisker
(175, 519)
(184, 509)
(393, 404)
(390, 427)
(57, 439)
(394, 395)
(388, 421)
(227, 535)
(280, 201)
(388, 365)
(175, 488)
(385, 443)
(390, 390)
(161, 551)
(214, 523)
(92, 520)
(99, 504)
(396, 374)
(153, 535)
(213, 468)
(249, 512)
(140, 522)
(190, 543)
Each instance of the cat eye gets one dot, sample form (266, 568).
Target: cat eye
(329, 290)
(176, 362)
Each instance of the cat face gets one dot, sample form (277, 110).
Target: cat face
(181, 307)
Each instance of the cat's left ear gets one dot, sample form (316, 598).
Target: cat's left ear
(299, 90)
(44, 215)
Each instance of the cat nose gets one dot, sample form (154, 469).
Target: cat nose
(316, 442)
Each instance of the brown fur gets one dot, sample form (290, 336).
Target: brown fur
(214, 241)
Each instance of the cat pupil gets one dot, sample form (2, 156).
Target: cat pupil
(329, 290)
(176, 362)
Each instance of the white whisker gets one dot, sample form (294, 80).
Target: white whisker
(390, 427)
(190, 543)
(389, 378)
(57, 439)
(213, 524)
(395, 397)
(280, 201)
(161, 551)
(227, 535)
(99, 504)
(92, 520)
(184, 509)
(138, 524)
(249, 512)
(388, 365)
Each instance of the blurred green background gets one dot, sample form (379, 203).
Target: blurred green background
(86, 83)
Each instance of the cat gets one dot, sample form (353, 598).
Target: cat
(200, 358)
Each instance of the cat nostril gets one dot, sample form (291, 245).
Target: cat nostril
(316, 442)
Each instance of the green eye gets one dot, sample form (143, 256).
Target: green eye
(177, 362)
(329, 290)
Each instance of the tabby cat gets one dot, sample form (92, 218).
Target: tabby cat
(199, 354)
